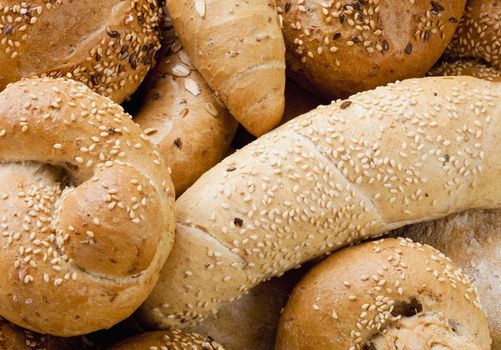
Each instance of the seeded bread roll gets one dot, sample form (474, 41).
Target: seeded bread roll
(174, 340)
(463, 66)
(472, 240)
(107, 44)
(182, 117)
(383, 295)
(87, 209)
(409, 152)
(237, 46)
(338, 48)
(479, 32)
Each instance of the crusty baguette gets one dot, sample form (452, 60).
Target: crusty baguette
(181, 116)
(238, 48)
(409, 152)
(472, 239)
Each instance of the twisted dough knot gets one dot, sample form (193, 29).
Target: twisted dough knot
(87, 209)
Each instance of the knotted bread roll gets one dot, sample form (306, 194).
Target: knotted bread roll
(107, 44)
(472, 239)
(479, 33)
(391, 294)
(338, 48)
(408, 152)
(87, 209)
(174, 340)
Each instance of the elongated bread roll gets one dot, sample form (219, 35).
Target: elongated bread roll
(409, 152)
(462, 66)
(472, 239)
(239, 49)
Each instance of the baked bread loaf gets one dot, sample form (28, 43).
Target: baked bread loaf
(107, 44)
(472, 239)
(250, 323)
(404, 153)
(16, 338)
(479, 33)
(181, 116)
(382, 295)
(463, 66)
(339, 48)
(87, 209)
(174, 340)
(238, 48)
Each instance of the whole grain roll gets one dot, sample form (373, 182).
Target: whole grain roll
(408, 152)
(179, 113)
(472, 239)
(479, 33)
(463, 66)
(174, 340)
(107, 44)
(338, 48)
(87, 209)
(382, 295)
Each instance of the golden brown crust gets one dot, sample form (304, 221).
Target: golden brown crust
(463, 66)
(408, 152)
(338, 48)
(238, 48)
(472, 240)
(181, 116)
(479, 33)
(411, 290)
(174, 340)
(87, 209)
(108, 44)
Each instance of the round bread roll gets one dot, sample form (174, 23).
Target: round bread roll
(107, 44)
(387, 294)
(479, 32)
(16, 338)
(462, 66)
(339, 48)
(87, 209)
(174, 340)
(472, 239)
(182, 117)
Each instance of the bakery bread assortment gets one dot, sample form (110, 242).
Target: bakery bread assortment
(472, 239)
(178, 228)
(408, 152)
(337, 48)
(87, 209)
(478, 33)
(238, 48)
(463, 66)
(107, 44)
(386, 294)
(174, 340)
(180, 115)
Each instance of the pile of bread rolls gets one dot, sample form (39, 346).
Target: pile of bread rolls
(282, 174)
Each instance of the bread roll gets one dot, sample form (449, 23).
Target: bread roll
(462, 66)
(107, 44)
(472, 239)
(237, 46)
(479, 32)
(339, 48)
(250, 323)
(390, 294)
(182, 117)
(409, 152)
(174, 340)
(87, 209)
